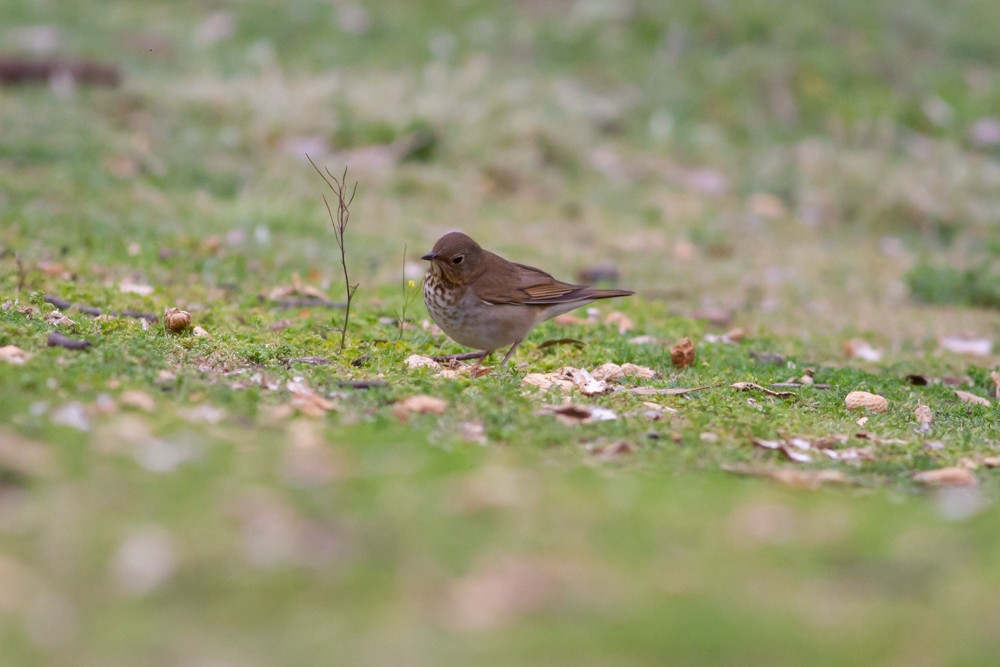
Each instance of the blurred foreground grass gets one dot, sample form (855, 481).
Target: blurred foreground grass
(794, 166)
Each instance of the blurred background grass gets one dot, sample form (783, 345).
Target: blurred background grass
(819, 170)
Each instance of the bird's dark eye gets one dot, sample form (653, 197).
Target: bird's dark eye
(457, 260)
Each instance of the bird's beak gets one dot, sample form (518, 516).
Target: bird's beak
(429, 256)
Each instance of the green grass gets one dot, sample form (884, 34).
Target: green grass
(798, 167)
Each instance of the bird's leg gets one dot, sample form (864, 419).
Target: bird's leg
(510, 352)
(474, 369)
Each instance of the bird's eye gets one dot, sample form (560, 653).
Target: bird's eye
(457, 260)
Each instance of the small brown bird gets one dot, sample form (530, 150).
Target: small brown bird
(485, 302)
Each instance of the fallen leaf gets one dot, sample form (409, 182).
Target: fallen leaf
(12, 354)
(645, 340)
(198, 332)
(307, 401)
(864, 399)
(716, 316)
(612, 451)
(495, 594)
(415, 361)
(805, 479)
(575, 414)
(951, 476)
(297, 288)
(924, 418)
(24, 457)
(971, 398)
(766, 205)
(56, 318)
(966, 345)
(569, 319)
(611, 371)
(420, 403)
(751, 386)
(682, 353)
(133, 398)
(620, 320)
(858, 348)
(734, 335)
(568, 378)
(135, 288)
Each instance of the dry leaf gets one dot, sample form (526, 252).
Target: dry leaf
(864, 399)
(12, 354)
(612, 371)
(734, 335)
(566, 379)
(198, 332)
(576, 414)
(28, 458)
(498, 593)
(766, 205)
(56, 318)
(133, 398)
(971, 398)
(416, 361)
(546, 381)
(569, 319)
(858, 348)
(135, 288)
(419, 403)
(952, 476)
(620, 320)
(807, 479)
(924, 418)
(307, 401)
(750, 386)
(612, 451)
(682, 354)
(966, 345)
(176, 320)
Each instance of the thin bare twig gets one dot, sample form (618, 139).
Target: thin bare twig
(407, 296)
(339, 224)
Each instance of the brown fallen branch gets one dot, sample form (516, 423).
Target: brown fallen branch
(20, 71)
(56, 339)
(63, 304)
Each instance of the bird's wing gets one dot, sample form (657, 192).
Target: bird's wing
(522, 284)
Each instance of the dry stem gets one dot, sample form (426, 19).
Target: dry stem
(339, 224)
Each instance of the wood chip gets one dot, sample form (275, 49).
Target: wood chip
(952, 476)
(421, 404)
(682, 353)
(972, 398)
(863, 399)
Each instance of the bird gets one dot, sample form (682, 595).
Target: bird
(483, 301)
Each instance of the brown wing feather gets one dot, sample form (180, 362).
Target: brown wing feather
(511, 283)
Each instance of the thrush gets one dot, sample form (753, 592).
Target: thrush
(485, 302)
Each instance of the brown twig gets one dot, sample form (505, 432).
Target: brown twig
(339, 224)
(56, 339)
